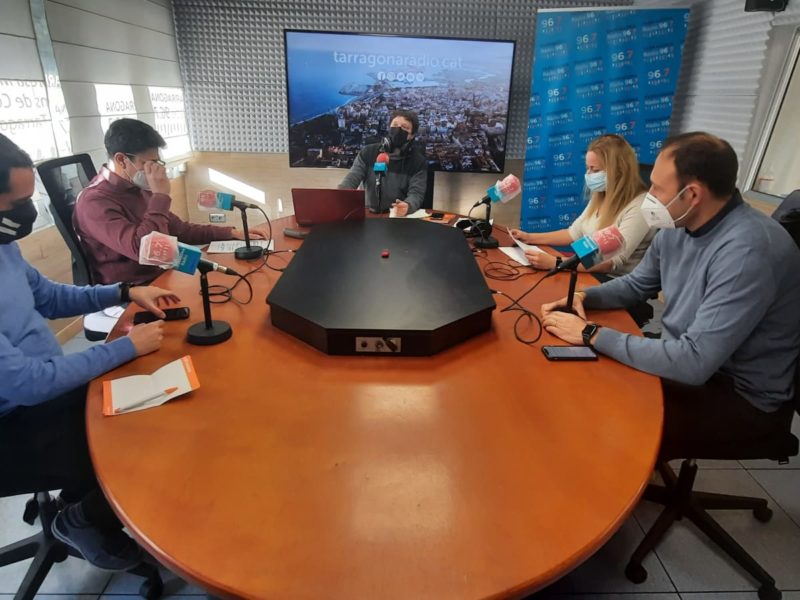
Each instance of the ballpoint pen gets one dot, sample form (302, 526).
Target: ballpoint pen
(138, 403)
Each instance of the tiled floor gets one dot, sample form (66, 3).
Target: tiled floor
(685, 566)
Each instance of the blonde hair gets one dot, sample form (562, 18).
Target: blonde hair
(623, 182)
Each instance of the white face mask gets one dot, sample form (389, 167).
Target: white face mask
(139, 179)
(657, 215)
(596, 182)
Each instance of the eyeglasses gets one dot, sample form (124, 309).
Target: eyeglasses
(158, 161)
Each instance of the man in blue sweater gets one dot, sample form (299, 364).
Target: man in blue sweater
(731, 282)
(43, 394)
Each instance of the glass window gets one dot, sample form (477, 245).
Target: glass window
(114, 102)
(25, 119)
(779, 169)
(170, 120)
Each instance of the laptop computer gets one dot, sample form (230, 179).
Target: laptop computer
(314, 206)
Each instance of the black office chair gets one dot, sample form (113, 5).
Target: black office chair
(680, 500)
(644, 172)
(790, 204)
(46, 550)
(427, 202)
(64, 178)
(788, 215)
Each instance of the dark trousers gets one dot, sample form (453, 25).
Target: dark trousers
(713, 421)
(44, 448)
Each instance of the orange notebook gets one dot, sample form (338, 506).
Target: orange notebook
(138, 392)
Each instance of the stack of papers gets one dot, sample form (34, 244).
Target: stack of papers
(517, 252)
(419, 214)
(230, 246)
(138, 392)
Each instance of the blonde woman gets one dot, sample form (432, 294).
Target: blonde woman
(617, 191)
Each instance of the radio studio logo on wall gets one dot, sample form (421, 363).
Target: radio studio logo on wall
(624, 84)
(595, 72)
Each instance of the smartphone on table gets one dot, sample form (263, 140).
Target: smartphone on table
(171, 314)
(569, 353)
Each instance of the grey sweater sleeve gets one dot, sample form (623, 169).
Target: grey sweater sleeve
(640, 284)
(734, 301)
(356, 175)
(416, 190)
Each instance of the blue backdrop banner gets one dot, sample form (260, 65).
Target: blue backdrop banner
(595, 72)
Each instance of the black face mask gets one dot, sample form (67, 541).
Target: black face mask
(16, 223)
(397, 137)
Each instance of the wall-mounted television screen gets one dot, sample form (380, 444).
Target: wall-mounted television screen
(343, 87)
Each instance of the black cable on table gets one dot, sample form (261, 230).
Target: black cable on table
(525, 313)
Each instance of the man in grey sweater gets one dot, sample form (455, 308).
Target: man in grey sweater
(731, 324)
(402, 185)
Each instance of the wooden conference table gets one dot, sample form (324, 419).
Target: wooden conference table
(483, 471)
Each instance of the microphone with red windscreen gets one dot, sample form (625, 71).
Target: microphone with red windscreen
(211, 200)
(381, 163)
(502, 191)
(379, 168)
(165, 251)
(591, 250)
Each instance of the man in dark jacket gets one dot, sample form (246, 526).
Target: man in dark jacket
(402, 185)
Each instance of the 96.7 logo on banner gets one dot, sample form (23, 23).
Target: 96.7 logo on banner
(595, 72)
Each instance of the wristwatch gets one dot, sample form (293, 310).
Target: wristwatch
(588, 332)
(125, 292)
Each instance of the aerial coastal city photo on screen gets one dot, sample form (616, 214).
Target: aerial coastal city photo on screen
(343, 88)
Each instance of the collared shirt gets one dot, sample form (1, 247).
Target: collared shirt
(732, 203)
(112, 216)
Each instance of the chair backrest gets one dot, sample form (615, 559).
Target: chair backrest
(789, 204)
(644, 172)
(797, 389)
(427, 201)
(788, 215)
(64, 178)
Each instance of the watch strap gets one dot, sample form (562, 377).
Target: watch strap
(125, 292)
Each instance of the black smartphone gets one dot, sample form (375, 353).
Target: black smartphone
(170, 314)
(437, 216)
(569, 353)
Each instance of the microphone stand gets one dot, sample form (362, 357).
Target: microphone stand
(485, 228)
(573, 281)
(247, 252)
(379, 190)
(207, 332)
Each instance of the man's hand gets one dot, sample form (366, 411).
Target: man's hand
(400, 208)
(541, 260)
(259, 232)
(157, 177)
(149, 298)
(147, 338)
(577, 304)
(566, 326)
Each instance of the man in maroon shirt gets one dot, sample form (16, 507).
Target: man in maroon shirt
(128, 199)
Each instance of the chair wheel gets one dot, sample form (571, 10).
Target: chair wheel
(635, 572)
(31, 511)
(61, 553)
(152, 588)
(766, 592)
(763, 514)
